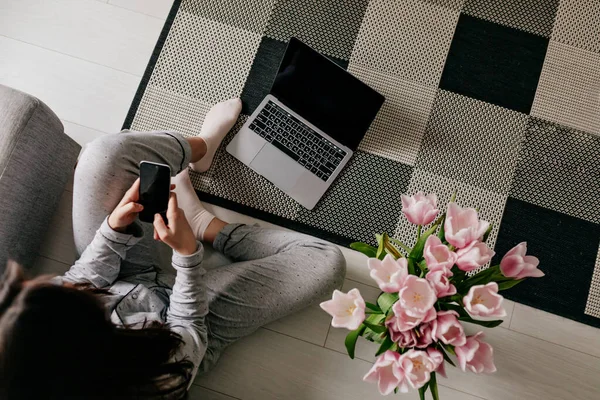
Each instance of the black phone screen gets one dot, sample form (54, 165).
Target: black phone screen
(155, 187)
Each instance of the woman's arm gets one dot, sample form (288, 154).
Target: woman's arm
(100, 263)
(188, 307)
(188, 304)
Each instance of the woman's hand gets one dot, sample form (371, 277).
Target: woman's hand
(178, 235)
(127, 210)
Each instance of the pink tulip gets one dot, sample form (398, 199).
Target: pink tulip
(417, 297)
(473, 256)
(515, 264)
(404, 339)
(440, 283)
(476, 355)
(425, 336)
(448, 328)
(437, 255)
(387, 373)
(420, 209)
(401, 321)
(389, 273)
(347, 310)
(438, 359)
(417, 366)
(484, 301)
(463, 226)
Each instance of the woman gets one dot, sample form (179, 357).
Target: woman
(118, 324)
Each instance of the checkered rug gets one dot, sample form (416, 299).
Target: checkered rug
(496, 99)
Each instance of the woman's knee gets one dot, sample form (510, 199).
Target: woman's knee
(108, 149)
(333, 267)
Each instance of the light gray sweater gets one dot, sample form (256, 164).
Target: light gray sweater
(133, 301)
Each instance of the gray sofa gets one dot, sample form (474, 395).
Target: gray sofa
(36, 160)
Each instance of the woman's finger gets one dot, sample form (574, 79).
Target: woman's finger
(133, 194)
(173, 207)
(160, 227)
(173, 186)
(131, 208)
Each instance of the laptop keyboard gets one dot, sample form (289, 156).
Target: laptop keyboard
(297, 140)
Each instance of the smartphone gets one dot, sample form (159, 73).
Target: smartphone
(155, 187)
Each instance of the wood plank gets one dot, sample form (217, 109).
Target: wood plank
(556, 329)
(268, 365)
(202, 393)
(310, 325)
(530, 368)
(89, 30)
(81, 134)
(356, 267)
(78, 91)
(156, 8)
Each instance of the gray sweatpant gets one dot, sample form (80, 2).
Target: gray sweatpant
(273, 273)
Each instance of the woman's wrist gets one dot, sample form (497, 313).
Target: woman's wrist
(188, 249)
(114, 227)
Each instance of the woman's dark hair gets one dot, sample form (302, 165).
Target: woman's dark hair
(56, 342)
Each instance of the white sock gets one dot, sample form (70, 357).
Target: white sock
(219, 120)
(188, 201)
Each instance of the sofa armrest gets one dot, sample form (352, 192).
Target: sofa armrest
(36, 158)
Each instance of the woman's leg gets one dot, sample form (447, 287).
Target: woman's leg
(106, 169)
(110, 165)
(277, 273)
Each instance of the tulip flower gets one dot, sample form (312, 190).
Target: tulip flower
(389, 273)
(438, 359)
(387, 373)
(417, 366)
(416, 297)
(440, 283)
(437, 255)
(462, 226)
(448, 329)
(401, 321)
(473, 256)
(484, 301)
(515, 264)
(476, 355)
(420, 209)
(347, 309)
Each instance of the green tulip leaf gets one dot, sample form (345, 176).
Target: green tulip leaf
(386, 301)
(385, 346)
(375, 328)
(373, 307)
(433, 387)
(351, 339)
(487, 324)
(509, 284)
(364, 248)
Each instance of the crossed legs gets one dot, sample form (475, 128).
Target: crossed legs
(273, 272)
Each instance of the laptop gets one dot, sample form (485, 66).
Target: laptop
(306, 129)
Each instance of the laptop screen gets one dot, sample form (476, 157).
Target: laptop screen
(325, 94)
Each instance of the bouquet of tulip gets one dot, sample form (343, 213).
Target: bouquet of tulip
(427, 291)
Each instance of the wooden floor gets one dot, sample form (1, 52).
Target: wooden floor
(85, 58)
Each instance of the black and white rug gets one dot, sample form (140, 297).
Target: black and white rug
(496, 99)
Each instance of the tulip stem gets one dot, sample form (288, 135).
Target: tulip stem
(418, 232)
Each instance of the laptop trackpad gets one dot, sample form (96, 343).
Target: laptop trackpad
(277, 167)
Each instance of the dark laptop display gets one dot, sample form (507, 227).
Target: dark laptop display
(324, 94)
